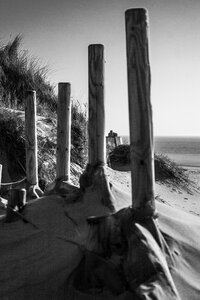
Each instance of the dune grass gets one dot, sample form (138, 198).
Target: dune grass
(20, 72)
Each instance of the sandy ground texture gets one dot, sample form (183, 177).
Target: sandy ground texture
(187, 199)
(39, 254)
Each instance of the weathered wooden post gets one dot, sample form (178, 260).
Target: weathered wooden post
(63, 131)
(140, 113)
(96, 126)
(95, 173)
(31, 146)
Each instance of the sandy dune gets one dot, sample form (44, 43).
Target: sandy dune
(187, 200)
(37, 257)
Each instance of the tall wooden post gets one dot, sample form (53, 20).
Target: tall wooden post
(31, 146)
(96, 126)
(140, 112)
(63, 131)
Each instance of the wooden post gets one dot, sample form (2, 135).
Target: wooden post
(96, 128)
(31, 145)
(63, 131)
(17, 199)
(31, 138)
(140, 113)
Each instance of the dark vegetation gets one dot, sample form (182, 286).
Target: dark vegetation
(120, 154)
(12, 143)
(20, 72)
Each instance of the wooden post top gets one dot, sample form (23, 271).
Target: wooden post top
(30, 92)
(96, 46)
(96, 53)
(139, 16)
(64, 84)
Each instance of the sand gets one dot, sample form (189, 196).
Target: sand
(174, 196)
(37, 257)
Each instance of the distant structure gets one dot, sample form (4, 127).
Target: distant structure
(112, 141)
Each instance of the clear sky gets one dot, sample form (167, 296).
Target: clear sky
(59, 32)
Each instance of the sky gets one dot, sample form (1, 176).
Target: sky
(59, 32)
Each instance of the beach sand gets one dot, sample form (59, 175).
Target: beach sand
(37, 257)
(187, 200)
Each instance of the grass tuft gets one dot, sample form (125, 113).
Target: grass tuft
(20, 72)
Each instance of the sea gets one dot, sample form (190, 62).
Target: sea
(185, 151)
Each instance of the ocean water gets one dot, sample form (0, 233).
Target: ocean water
(185, 151)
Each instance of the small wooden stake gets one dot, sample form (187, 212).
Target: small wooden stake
(31, 146)
(140, 113)
(17, 200)
(63, 131)
(96, 128)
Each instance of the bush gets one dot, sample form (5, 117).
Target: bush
(120, 154)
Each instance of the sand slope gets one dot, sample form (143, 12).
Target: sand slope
(36, 258)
